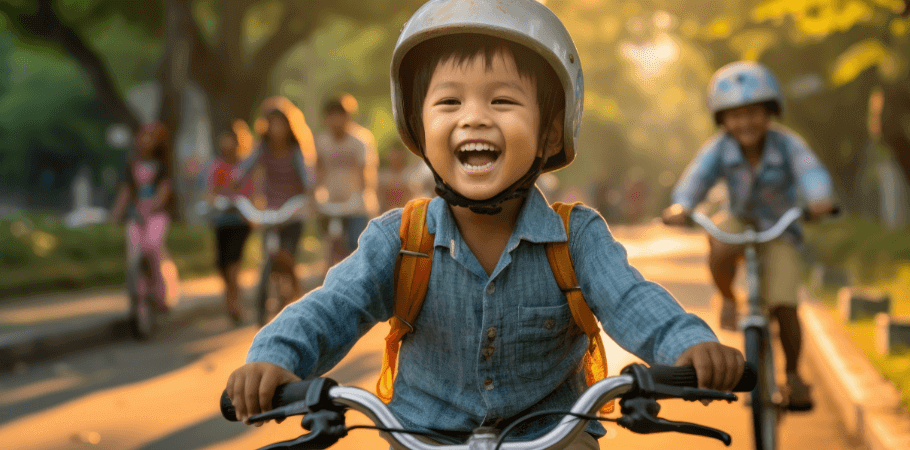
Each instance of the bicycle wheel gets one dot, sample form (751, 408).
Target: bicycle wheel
(764, 409)
(143, 318)
(268, 295)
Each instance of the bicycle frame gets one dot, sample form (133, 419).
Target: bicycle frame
(766, 398)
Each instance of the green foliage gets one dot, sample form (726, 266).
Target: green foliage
(871, 251)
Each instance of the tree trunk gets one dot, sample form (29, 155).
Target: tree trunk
(896, 124)
(173, 77)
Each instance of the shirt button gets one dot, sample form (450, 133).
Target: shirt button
(491, 288)
(491, 333)
(549, 324)
(488, 384)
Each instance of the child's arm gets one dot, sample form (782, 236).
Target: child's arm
(312, 335)
(123, 197)
(813, 180)
(694, 183)
(162, 195)
(641, 316)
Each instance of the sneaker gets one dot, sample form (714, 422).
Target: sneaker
(728, 316)
(799, 396)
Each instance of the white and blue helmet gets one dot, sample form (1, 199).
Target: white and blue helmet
(743, 83)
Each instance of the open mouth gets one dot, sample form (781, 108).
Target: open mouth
(477, 156)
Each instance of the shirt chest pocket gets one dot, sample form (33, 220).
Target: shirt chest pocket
(543, 339)
(774, 176)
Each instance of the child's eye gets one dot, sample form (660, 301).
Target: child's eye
(448, 101)
(504, 101)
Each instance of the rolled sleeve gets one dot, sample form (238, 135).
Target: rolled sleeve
(312, 335)
(641, 316)
(699, 176)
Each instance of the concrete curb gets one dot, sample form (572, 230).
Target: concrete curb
(868, 405)
(30, 347)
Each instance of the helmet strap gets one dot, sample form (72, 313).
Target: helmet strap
(490, 206)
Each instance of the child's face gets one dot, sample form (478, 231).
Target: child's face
(146, 144)
(278, 127)
(747, 124)
(481, 125)
(228, 145)
(336, 122)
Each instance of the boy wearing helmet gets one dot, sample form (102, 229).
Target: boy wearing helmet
(489, 94)
(766, 166)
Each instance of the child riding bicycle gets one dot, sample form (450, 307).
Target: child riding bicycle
(231, 228)
(284, 160)
(489, 94)
(147, 189)
(766, 166)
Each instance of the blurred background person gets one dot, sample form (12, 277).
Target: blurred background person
(231, 228)
(394, 188)
(147, 190)
(347, 171)
(283, 160)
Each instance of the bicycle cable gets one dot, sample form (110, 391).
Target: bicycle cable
(508, 429)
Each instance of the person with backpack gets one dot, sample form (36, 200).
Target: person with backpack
(491, 293)
(767, 167)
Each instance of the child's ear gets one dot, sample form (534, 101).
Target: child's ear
(554, 138)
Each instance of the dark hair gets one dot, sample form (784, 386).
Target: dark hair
(418, 66)
(334, 106)
(771, 106)
(291, 139)
(161, 152)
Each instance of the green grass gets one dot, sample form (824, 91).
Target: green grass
(895, 368)
(39, 254)
(878, 258)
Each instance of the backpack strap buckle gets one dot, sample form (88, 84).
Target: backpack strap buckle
(410, 327)
(409, 252)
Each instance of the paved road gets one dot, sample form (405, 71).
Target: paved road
(162, 395)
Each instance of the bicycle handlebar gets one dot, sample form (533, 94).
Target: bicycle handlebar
(294, 207)
(320, 395)
(749, 236)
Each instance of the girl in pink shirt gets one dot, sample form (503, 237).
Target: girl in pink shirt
(148, 189)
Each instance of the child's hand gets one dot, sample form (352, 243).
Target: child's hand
(674, 215)
(252, 386)
(718, 367)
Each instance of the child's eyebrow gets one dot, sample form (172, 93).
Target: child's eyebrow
(445, 85)
(509, 84)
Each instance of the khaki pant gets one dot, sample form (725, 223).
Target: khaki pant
(780, 265)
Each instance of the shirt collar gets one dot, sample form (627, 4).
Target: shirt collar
(537, 222)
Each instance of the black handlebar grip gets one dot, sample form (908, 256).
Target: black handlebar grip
(686, 377)
(284, 395)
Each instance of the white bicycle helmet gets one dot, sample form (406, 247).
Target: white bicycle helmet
(525, 22)
(743, 83)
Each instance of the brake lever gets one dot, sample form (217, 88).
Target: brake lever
(327, 428)
(638, 417)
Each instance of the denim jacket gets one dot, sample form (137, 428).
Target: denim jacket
(787, 167)
(448, 380)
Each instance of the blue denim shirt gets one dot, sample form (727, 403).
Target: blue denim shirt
(787, 166)
(536, 363)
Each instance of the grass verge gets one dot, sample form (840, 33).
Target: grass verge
(39, 254)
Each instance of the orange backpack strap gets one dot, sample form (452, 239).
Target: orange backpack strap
(564, 272)
(412, 277)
